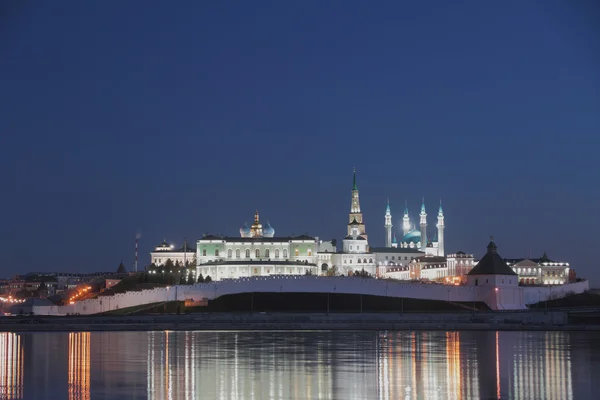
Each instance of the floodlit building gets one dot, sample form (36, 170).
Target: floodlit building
(460, 263)
(165, 251)
(257, 252)
(540, 271)
(355, 254)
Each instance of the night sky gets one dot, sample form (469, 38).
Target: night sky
(177, 119)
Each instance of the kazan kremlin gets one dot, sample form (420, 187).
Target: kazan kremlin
(414, 267)
(416, 257)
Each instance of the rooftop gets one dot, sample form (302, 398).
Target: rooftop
(395, 250)
(258, 262)
(491, 263)
(238, 239)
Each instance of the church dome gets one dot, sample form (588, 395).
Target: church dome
(268, 230)
(245, 230)
(413, 236)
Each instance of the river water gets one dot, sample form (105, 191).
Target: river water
(300, 365)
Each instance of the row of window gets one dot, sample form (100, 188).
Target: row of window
(399, 258)
(364, 261)
(267, 253)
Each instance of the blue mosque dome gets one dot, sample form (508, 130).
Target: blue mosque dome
(394, 240)
(268, 230)
(245, 230)
(413, 236)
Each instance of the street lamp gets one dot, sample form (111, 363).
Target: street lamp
(497, 295)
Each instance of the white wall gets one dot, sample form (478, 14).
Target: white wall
(508, 297)
(534, 294)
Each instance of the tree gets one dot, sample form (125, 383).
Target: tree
(182, 280)
(308, 272)
(208, 279)
(333, 271)
(169, 266)
(190, 279)
(362, 274)
(200, 279)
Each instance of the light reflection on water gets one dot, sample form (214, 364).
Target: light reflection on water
(299, 365)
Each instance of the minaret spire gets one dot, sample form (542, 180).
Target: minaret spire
(388, 225)
(440, 228)
(405, 220)
(423, 223)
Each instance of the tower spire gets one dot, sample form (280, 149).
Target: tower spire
(423, 223)
(440, 231)
(388, 225)
(355, 218)
(405, 220)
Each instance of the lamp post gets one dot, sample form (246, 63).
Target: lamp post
(497, 296)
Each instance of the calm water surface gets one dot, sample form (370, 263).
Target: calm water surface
(300, 365)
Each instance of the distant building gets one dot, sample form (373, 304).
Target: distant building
(388, 259)
(165, 251)
(540, 271)
(460, 263)
(432, 268)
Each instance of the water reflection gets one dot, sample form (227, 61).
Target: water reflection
(299, 365)
(11, 366)
(409, 365)
(79, 366)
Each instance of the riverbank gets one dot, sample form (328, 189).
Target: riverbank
(523, 321)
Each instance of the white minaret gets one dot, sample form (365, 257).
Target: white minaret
(388, 225)
(405, 221)
(440, 227)
(423, 223)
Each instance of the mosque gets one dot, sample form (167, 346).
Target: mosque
(413, 238)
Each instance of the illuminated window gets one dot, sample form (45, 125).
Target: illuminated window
(276, 253)
(257, 252)
(309, 252)
(297, 252)
(267, 254)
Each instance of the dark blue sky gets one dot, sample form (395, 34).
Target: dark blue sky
(176, 120)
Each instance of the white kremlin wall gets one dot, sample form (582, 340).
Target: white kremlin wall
(513, 298)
